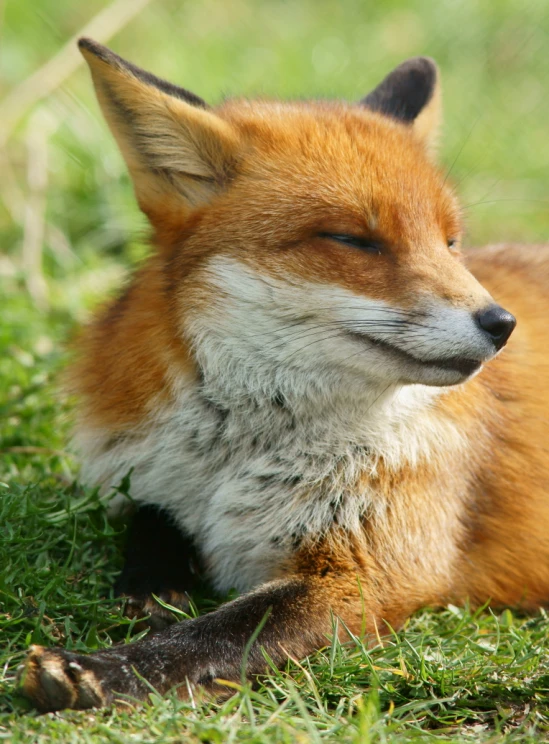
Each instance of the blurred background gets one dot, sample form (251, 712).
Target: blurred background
(69, 227)
(66, 201)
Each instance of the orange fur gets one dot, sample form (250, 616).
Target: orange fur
(277, 175)
(127, 358)
(362, 489)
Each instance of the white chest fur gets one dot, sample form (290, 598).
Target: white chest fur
(250, 482)
(278, 439)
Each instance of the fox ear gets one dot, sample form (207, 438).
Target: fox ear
(411, 94)
(179, 153)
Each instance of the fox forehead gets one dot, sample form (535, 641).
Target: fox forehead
(308, 168)
(340, 167)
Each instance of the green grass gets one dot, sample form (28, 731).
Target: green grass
(449, 675)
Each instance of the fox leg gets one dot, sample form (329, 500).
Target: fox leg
(297, 614)
(159, 560)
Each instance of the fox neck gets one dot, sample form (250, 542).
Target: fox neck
(323, 412)
(253, 368)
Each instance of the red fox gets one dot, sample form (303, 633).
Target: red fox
(303, 382)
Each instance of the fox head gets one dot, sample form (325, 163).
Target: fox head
(308, 240)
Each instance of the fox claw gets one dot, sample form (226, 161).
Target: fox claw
(56, 679)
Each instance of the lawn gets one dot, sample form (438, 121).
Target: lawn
(70, 232)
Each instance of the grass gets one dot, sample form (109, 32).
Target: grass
(450, 675)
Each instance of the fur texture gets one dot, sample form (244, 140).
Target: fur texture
(303, 377)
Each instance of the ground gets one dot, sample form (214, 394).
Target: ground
(69, 232)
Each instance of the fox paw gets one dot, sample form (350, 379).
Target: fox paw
(152, 614)
(56, 679)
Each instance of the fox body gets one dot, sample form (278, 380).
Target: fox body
(296, 378)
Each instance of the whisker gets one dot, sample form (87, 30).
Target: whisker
(293, 337)
(379, 322)
(396, 328)
(316, 341)
(493, 201)
(375, 400)
(465, 141)
(399, 323)
(389, 310)
(324, 338)
(298, 321)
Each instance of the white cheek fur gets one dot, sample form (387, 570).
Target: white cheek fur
(267, 450)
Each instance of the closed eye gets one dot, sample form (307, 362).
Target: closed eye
(370, 246)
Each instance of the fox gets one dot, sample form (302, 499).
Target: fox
(309, 383)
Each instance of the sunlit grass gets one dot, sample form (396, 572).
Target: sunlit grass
(450, 674)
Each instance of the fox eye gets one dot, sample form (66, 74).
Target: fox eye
(452, 243)
(363, 244)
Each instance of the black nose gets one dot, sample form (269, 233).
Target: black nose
(497, 323)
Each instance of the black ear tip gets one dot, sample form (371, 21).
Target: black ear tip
(86, 44)
(406, 90)
(422, 70)
(421, 63)
(425, 66)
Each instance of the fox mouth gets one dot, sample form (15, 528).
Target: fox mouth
(464, 365)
